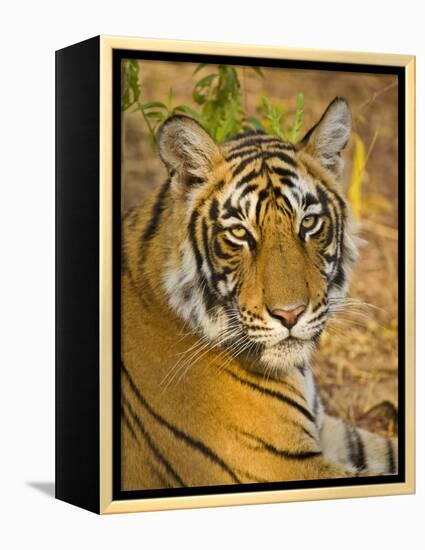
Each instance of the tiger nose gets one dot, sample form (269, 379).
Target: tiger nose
(289, 316)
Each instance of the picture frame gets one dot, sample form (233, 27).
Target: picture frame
(89, 168)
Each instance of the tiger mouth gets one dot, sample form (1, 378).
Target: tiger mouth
(292, 344)
(292, 341)
(266, 339)
(289, 342)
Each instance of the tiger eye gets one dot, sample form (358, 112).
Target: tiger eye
(238, 232)
(309, 221)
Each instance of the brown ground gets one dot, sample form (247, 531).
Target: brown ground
(356, 366)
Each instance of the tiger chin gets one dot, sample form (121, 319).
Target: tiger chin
(230, 273)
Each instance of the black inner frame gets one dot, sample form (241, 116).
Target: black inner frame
(118, 56)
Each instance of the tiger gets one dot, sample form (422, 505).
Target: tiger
(230, 272)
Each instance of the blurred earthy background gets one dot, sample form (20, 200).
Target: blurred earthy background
(356, 365)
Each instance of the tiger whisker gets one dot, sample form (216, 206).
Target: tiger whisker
(196, 356)
(190, 365)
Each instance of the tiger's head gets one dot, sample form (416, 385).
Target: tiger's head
(261, 238)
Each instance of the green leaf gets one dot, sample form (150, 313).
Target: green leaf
(299, 115)
(202, 87)
(199, 67)
(150, 104)
(169, 99)
(155, 114)
(258, 71)
(188, 110)
(255, 123)
(266, 103)
(230, 122)
(130, 89)
(219, 106)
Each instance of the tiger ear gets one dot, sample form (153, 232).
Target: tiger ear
(326, 139)
(186, 148)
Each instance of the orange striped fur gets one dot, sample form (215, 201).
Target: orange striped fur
(230, 272)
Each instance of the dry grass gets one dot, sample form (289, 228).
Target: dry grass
(356, 365)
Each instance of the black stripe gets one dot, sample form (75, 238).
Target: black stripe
(319, 305)
(272, 393)
(230, 210)
(160, 457)
(162, 479)
(194, 443)
(217, 277)
(214, 210)
(293, 390)
(329, 233)
(209, 298)
(284, 173)
(333, 200)
(192, 235)
(390, 457)
(339, 277)
(156, 212)
(303, 455)
(240, 153)
(230, 243)
(301, 369)
(252, 243)
(280, 145)
(263, 139)
(261, 196)
(287, 182)
(356, 448)
(330, 258)
(281, 156)
(128, 424)
(219, 252)
(252, 477)
(207, 293)
(309, 200)
(362, 463)
(288, 385)
(318, 316)
(248, 189)
(242, 165)
(288, 203)
(206, 244)
(243, 135)
(316, 403)
(307, 432)
(248, 177)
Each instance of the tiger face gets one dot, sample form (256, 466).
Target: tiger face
(262, 245)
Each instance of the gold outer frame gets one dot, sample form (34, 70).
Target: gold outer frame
(107, 504)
